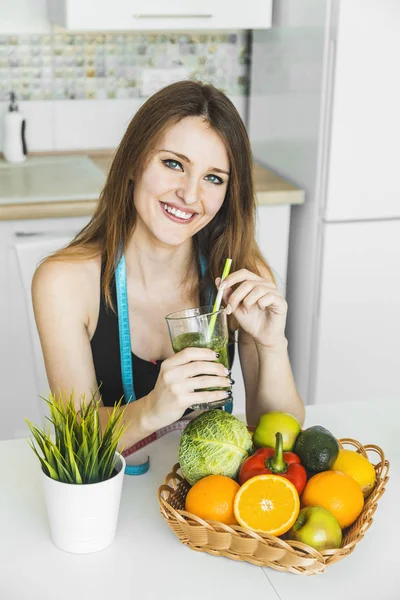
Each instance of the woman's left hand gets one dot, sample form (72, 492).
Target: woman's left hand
(257, 305)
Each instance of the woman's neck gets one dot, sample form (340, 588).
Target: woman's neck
(157, 267)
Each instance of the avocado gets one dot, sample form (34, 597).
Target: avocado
(317, 449)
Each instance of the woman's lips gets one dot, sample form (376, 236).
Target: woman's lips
(174, 217)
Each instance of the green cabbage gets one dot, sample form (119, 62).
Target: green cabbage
(214, 443)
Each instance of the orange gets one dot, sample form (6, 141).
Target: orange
(267, 503)
(212, 498)
(337, 492)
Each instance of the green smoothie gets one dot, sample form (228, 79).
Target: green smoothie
(196, 340)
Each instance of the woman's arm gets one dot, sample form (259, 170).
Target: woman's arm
(268, 380)
(62, 294)
(61, 302)
(260, 312)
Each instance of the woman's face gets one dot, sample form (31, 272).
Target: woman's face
(184, 183)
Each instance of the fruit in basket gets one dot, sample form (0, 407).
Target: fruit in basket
(317, 448)
(316, 527)
(273, 422)
(214, 443)
(274, 460)
(338, 493)
(268, 504)
(358, 467)
(212, 498)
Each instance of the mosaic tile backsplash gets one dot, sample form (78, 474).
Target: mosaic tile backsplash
(128, 65)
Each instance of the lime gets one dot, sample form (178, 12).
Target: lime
(273, 422)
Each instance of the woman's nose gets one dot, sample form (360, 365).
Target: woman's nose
(189, 193)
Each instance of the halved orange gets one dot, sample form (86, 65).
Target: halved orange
(268, 504)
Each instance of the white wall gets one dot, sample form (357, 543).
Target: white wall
(284, 122)
(23, 16)
(81, 124)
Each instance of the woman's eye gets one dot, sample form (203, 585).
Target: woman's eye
(214, 179)
(172, 164)
(177, 166)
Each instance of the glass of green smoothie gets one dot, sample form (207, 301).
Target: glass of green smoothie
(201, 328)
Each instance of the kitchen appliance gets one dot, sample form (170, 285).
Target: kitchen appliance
(14, 145)
(324, 113)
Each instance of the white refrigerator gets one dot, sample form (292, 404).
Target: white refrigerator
(324, 111)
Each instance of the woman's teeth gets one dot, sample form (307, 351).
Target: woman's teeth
(177, 212)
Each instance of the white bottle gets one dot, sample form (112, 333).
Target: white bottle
(14, 144)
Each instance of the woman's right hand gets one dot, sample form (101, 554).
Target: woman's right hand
(188, 370)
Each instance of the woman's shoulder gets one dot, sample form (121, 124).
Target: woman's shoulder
(66, 276)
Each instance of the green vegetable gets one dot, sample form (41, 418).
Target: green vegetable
(214, 443)
(317, 449)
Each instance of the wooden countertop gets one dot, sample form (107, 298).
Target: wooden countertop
(271, 189)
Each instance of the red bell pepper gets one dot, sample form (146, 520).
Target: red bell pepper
(273, 460)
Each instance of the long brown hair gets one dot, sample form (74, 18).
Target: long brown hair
(231, 233)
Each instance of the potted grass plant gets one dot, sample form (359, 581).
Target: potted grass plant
(82, 473)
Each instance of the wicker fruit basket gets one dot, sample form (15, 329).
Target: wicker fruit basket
(260, 549)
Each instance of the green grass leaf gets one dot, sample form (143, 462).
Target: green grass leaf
(76, 451)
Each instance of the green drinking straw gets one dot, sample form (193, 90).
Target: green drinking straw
(218, 299)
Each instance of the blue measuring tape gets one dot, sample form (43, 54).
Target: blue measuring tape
(126, 352)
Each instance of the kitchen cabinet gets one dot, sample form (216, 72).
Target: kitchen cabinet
(23, 243)
(22, 16)
(97, 15)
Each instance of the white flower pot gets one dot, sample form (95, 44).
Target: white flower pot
(83, 518)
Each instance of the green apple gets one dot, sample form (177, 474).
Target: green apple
(316, 527)
(273, 422)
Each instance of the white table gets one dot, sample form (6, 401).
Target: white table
(146, 560)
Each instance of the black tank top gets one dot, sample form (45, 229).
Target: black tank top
(107, 360)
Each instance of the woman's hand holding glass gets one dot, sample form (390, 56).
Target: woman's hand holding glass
(180, 375)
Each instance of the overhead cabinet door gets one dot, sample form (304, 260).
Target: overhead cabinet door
(123, 15)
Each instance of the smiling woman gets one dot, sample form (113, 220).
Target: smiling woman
(187, 190)
(177, 202)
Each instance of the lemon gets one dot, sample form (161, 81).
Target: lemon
(358, 467)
